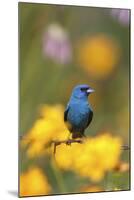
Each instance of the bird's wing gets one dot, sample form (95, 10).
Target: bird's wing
(66, 113)
(90, 116)
(69, 126)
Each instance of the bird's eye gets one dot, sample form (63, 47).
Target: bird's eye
(84, 89)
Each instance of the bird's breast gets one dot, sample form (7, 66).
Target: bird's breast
(78, 115)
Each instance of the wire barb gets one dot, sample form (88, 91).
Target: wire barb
(125, 147)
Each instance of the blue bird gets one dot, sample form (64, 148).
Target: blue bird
(78, 113)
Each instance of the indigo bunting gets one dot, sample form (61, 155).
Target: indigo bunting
(78, 113)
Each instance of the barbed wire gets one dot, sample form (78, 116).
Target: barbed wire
(67, 142)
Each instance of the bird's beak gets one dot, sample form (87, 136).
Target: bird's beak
(90, 90)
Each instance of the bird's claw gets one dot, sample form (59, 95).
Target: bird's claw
(68, 142)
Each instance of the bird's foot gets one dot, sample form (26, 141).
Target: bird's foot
(68, 142)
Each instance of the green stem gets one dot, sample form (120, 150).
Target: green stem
(58, 176)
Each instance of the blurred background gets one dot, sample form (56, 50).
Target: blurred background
(60, 47)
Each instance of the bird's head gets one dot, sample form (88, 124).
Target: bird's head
(82, 91)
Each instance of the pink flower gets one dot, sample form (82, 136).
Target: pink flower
(122, 15)
(56, 44)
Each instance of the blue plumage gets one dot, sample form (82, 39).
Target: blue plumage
(78, 113)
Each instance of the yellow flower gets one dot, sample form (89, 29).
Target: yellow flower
(91, 188)
(116, 189)
(34, 182)
(45, 129)
(98, 55)
(92, 158)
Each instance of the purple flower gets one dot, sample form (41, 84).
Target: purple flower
(122, 15)
(56, 44)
